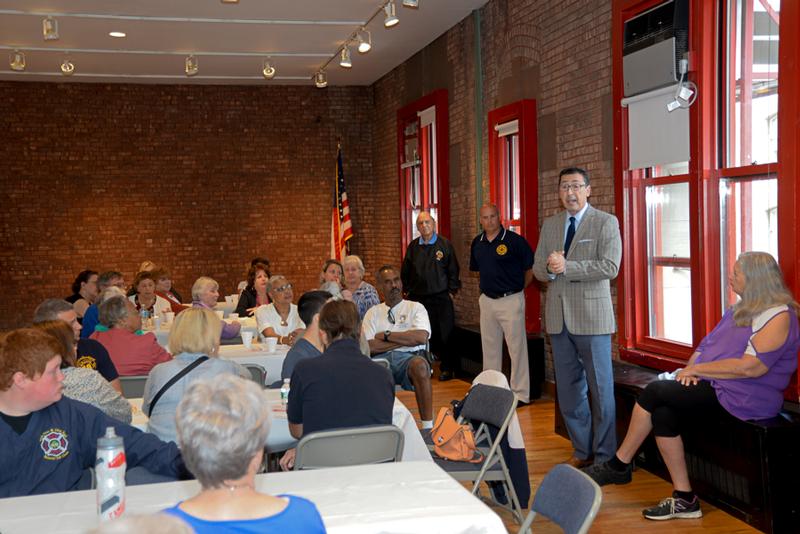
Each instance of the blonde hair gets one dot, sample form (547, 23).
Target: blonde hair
(195, 330)
(202, 284)
(354, 259)
(764, 287)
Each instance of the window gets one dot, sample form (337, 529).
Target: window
(422, 139)
(513, 181)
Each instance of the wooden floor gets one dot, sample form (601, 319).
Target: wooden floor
(622, 505)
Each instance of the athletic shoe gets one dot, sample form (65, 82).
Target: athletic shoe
(674, 508)
(604, 474)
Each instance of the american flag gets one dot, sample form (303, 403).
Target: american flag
(341, 228)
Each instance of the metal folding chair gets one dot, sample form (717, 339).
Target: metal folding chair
(567, 496)
(257, 373)
(350, 446)
(133, 386)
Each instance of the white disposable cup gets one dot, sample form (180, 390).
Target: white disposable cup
(169, 317)
(157, 322)
(220, 314)
(271, 343)
(233, 316)
(228, 299)
(247, 339)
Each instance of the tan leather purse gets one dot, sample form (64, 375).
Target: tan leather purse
(453, 441)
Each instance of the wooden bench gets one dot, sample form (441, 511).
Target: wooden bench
(750, 469)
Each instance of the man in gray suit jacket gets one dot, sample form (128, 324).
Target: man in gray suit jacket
(578, 254)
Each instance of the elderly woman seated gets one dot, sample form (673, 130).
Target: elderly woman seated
(222, 429)
(741, 368)
(205, 293)
(356, 289)
(255, 294)
(146, 298)
(280, 318)
(132, 354)
(194, 340)
(80, 383)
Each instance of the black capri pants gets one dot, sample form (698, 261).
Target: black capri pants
(674, 406)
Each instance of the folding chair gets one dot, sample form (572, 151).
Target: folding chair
(133, 386)
(257, 373)
(567, 496)
(350, 446)
(484, 406)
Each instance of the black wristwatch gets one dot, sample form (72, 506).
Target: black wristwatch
(386, 335)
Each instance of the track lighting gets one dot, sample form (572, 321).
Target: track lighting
(364, 41)
(268, 71)
(345, 60)
(17, 60)
(67, 67)
(391, 15)
(50, 29)
(191, 66)
(321, 79)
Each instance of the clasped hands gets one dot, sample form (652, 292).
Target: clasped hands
(556, 262)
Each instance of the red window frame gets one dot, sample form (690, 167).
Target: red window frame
(524, 112)
(409, 115)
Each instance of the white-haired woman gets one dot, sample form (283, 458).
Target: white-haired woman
(280, 319)
(205, 293)
(222, 429)
(194, 336)
(740, 369)
(360, 292)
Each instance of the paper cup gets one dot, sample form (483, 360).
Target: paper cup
(169, 317)
(157, 322)
(220, 314)
(228, 299)
(233, 316)
(247, 339)
(271, 344)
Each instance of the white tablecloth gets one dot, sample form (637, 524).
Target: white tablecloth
(248, 325)
(272, 362)
(401, 497)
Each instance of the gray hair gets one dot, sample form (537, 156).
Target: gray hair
(355, 259)
(104, 279)
(273, 281)
(108, 293)
(202, 284)
(222, 423)
(113, 310)
(49, 309)
(764, 287)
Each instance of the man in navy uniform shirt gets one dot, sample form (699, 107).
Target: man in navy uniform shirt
(504, 260)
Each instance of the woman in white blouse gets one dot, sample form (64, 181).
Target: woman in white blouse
(280, 319)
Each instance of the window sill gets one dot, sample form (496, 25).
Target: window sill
(650, 359)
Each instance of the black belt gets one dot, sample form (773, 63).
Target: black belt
(499, 295)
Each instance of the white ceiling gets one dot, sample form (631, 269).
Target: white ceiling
(230, 40)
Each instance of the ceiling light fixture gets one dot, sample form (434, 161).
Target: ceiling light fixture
(117, 34)
(364, 45)
(230, 1)
(268, 71)
(411, 3)
(67, 67)
(17, 60)
(391, 15)
(191, 66)
(321, 79)
(50, 29)
(345, 60)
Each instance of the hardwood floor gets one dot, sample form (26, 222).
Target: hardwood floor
(622, 505)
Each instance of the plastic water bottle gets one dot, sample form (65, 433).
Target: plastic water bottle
(145, 318)
(285, 391)
(110, 472)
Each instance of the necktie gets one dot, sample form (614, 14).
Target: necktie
(570, 235)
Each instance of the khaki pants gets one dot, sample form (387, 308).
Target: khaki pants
(506, 316)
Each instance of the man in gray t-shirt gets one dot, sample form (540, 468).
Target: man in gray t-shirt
(308, 346)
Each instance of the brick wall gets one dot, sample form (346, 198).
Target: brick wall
(200, 179)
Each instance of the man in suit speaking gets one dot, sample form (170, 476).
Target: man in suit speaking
(578, 254)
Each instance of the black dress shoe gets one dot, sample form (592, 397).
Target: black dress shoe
(444, 376)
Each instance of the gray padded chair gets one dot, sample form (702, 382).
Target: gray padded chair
(568, 497)
(257, 373)
(486, 405)
(133, 386)
(350, 446)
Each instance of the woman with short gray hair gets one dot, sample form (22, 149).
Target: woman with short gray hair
(279, 318)
(356, 289)
(205, 293)
(222, 430)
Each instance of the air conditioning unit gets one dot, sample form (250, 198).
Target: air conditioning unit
(655, 41)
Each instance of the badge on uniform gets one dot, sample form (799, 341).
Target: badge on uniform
(501, 250)
(439, 255)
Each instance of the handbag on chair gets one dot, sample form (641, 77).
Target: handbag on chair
(454, 441)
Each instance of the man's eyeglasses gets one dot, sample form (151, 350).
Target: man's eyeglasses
(391, 316)
(283, 288)
(572, 187)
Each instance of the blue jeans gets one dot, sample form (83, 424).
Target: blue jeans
(583, 363)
